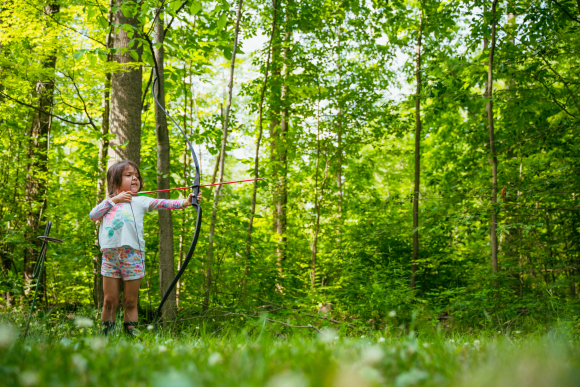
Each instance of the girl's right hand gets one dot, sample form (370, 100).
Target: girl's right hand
(123, 197)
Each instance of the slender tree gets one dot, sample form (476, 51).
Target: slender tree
(209, 258)
(38, 146)
(417, 186)
(493, 155)
(258, 142)
(98, 295)
(166, 253)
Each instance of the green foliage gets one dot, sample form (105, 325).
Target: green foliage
(342, 74)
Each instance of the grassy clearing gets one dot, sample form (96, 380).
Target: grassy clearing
(249, 357)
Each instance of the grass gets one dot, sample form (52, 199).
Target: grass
(258, 356)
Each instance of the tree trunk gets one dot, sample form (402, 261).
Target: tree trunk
(166, 253)
(489, 108)
(37, 168)
(417, 187)
(209, 259)
(126, 92)
(98, 295)
(258, 142)
(339, 130)
(318, 196)
(281, 189)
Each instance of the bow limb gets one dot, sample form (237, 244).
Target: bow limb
(183, 265)
(194, 203)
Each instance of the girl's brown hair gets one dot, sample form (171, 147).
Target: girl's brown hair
(115, 176)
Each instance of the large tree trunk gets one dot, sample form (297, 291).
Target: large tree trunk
(258, 142)
(166, 258)
(98, 294)
(209, 258)
(417, 187)
(37, 169)
(489, 108)
(126, 93)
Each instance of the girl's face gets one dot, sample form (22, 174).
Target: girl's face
(130, 180)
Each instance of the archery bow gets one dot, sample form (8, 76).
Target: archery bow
(194, 203)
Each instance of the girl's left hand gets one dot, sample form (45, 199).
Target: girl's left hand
(187, 202)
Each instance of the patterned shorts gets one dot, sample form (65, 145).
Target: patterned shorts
(123, 262)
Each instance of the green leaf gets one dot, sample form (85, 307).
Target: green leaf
(103, 22)
(195, 8)
(228, 53)
(79, 54)
(174, 5)
(221, 23)
(134, 55)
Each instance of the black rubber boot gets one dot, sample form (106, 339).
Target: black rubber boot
(130, 329)
(108, 327)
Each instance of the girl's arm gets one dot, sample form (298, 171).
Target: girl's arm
(167, 204)
(101, 209)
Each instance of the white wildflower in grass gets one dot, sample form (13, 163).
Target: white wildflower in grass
(372, 355)
(518, 332)
(98, 344)
(28, 378)
(476, 343)
(381, 340)
(65, 341)
(426, 345)
(172, 378)
(452, 341)
(196, 327)
(8, 336)
(162, 348)
(327, 335)
(411, 377)
(150, 327)
(392, 314)
(288, 379)
(83, 322)
(79, 362)
(215, 358)
(362, 337)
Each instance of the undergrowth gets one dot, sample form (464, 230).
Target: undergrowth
(70, 351)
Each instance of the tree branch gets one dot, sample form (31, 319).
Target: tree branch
(42, 111)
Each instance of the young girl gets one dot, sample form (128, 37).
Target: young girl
(121, 240)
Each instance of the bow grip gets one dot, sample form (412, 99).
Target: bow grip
(195, 189)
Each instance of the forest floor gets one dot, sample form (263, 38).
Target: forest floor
(79, 356)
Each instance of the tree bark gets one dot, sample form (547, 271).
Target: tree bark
(166, 253)
(37, 168)
(417, 187)
(318, 196)
(281, 189)
(258, 142)
(98, 294)
(126, 91)
(339, 130)
(490, 122)
(209, 258)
